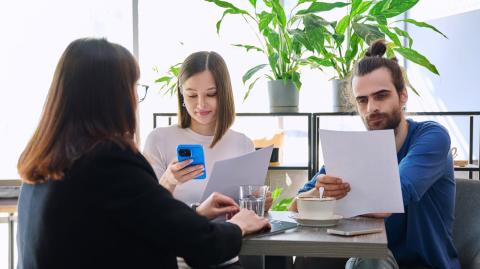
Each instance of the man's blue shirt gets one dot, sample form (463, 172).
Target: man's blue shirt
(423, 234)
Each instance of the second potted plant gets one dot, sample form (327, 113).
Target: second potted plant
(287, 43)
(365, 22)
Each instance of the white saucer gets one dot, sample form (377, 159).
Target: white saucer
(318, 222)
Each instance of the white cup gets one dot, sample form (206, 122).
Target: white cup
(315, 208)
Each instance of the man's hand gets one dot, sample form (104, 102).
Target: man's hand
(333, 186)
(216, 205)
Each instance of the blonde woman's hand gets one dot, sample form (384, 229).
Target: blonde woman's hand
(178, 172)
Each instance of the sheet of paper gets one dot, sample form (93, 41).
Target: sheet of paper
(228, 175)
(368, 162)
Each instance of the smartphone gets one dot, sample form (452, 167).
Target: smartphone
(194, 152)
(352, 232)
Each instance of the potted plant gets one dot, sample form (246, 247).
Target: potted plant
(367, 21)
(288, 43)
(168, 82)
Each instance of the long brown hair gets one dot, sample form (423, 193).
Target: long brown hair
(196, 63)
(91, 99)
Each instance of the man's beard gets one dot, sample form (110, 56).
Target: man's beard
(383, 121)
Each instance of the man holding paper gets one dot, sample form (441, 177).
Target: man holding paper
(422, 235)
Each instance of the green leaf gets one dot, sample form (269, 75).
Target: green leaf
(355, 5)
(229, 9)
(314, 21)
(386, 5)
(219, 22)
(424, 25)
(163, 79)
(316, 37)
(265, 19)
(392, 8)
(283, 205)
(272, 61)
(417, 58)
(377, 8)
(301, 37)
(251, 72)
(390, 35)
(390, 52)
(405, 34)
(367, 32)
(248, 47)
(253, 2)
(315, 31)
(250, 87)
(276, 193)
(322, 62)
(277, 9)
(227, 5)
(352, 50)
(338, 39)
(272, 37)
(364, 6)
(380, 19)
(296, 80)
(297, 47)
(342, 25)
(175, 69)
(321, 6)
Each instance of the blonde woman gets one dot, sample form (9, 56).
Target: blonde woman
(206, 112)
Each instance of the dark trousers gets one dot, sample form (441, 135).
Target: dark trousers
(270, 262)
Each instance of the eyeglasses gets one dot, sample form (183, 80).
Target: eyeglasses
(142, 91)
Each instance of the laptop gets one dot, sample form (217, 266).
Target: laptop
(278, 226)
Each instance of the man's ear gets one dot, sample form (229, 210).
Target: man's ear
(403, 95)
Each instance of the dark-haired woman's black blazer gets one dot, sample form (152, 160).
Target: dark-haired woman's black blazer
(110, 212)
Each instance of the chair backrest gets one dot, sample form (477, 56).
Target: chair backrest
(466, 229)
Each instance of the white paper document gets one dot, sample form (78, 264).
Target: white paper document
(368, 162)
(228, 175)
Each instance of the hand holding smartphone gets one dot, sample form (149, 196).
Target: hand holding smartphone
(194, 152)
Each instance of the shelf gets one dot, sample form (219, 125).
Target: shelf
(468, 168)
(280, 167)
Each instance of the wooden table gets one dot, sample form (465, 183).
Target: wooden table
(9, 206)
(315, 242)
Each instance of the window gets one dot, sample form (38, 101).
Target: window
(34, 34)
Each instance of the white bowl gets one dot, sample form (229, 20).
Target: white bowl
(315, 208)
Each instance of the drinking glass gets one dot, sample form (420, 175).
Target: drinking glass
(253, 197)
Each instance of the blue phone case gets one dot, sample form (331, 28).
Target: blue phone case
(195, 152)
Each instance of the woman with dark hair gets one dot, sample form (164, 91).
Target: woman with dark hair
(90, 199)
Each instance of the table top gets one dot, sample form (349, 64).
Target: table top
(315, 242)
